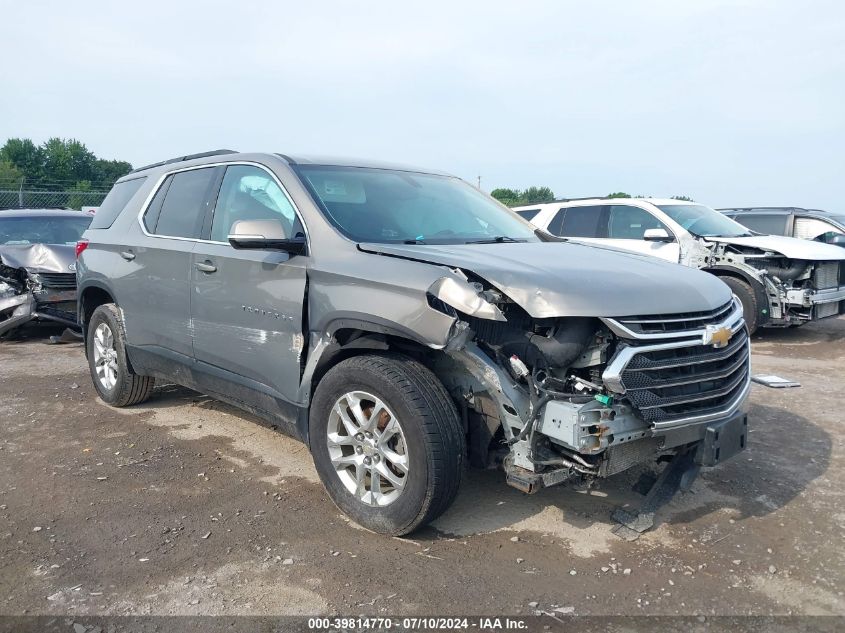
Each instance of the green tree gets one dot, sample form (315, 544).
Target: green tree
(61, 163)
(515, 197)
(23, 154)
(107, 171)
(538, 195)
(10, 176)
(67, 161)
(508, 197)
(618, 194)
(684, 198)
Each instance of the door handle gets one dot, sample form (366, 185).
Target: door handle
(206, 267)
(127, 255)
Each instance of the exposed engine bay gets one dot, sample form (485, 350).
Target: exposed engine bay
(794, 290)
(581, 398)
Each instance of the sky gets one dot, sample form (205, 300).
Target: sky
(731, 103)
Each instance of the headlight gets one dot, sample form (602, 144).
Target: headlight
(6, 290)
(462, 296)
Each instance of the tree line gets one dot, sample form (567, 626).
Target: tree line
(56, 165)
(539, 195)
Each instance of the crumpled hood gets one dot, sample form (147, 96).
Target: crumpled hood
(556, 279)
(40, 258)
(790, 247)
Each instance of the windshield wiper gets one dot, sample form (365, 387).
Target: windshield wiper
(499, 239)
(414, 242)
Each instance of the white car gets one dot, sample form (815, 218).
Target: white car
(781, 281)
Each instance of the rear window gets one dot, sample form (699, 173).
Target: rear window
(582, 221)
(765, 224)
(115, 202)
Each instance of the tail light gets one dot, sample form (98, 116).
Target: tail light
(81, 245)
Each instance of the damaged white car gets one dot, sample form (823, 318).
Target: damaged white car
(38, 266)
(781, 281)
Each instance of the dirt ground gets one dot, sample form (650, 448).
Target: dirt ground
(187, 506)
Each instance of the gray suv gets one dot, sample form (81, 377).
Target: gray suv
(400, 322)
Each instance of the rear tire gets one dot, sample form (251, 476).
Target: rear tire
(416, 476)
(745, 294)
(114, 380)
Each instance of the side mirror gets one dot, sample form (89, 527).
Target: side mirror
(657, 235)
(264, 235)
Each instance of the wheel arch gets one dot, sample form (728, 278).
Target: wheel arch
(348, 338)
(90, 297)
(756, 285)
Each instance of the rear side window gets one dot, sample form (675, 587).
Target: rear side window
(528, 214)
(813, 229)
(582, 221)
(181, 204)
(766, 224)
(115, 202)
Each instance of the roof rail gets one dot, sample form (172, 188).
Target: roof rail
(179, 159)
(530, 204)
(769, 209)
(585, 198)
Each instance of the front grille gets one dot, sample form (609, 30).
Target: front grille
(826, 275)
(653, 324)
(673, 376)
(58, 281)
(671, 384)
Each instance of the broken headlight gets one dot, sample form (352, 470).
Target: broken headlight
(465, 297)
(7, 290)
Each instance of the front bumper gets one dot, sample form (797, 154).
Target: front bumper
(51, 306)
(15, 311)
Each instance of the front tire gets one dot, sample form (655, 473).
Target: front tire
(113, 378)
(387, 442)
(746, 296)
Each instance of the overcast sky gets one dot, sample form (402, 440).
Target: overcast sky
(732, 103)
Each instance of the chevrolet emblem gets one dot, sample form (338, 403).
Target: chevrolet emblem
(716, 336)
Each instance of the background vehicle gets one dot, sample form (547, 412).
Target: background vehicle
(780, 281)
(38, 265)
(399, 321)
(805, 224)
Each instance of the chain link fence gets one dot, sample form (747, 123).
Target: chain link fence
(36, 199)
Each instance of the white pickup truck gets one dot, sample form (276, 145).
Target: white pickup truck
(781, 281)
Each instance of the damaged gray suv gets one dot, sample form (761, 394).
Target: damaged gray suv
(400, 322)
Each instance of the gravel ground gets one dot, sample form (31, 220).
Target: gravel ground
(185, 505)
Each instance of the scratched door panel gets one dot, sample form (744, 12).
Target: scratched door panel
(247, 314)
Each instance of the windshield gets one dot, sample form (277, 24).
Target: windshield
(45, 229)
(381, 205)
(703, 221)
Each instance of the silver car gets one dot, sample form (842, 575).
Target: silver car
(400, 322)
(38, 266)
